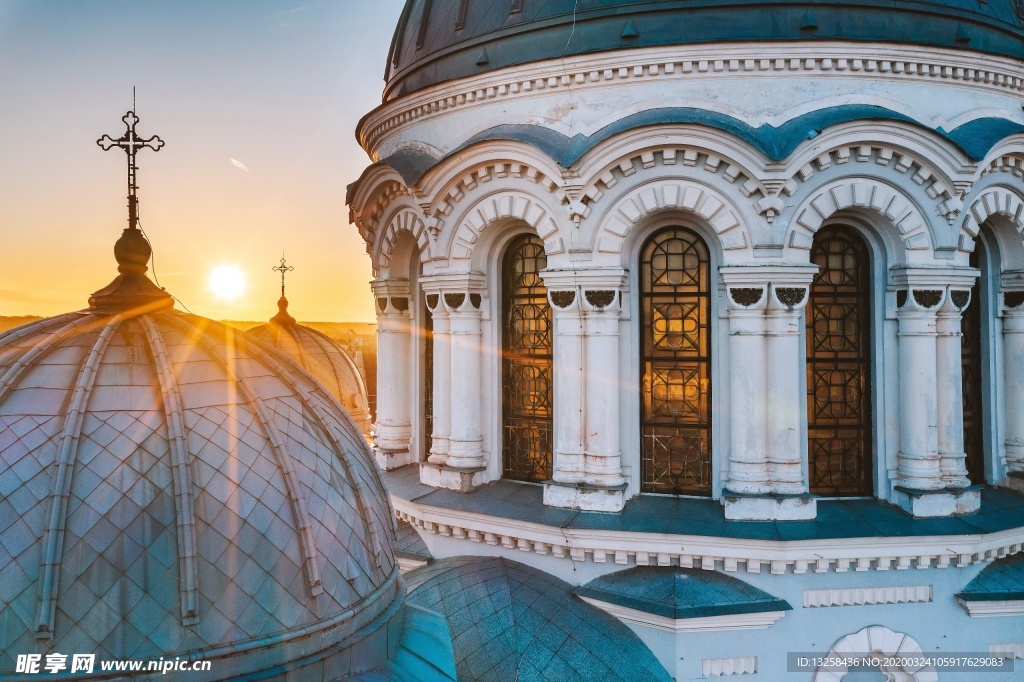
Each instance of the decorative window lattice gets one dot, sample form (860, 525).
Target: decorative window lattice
(526, 363)
(839, 365)
(675, 391)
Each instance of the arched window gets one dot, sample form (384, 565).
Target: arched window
(971, 368)
(839, 425)
(675, 364)
(526, 362)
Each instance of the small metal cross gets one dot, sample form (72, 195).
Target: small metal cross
(131, 143)
(282, 268)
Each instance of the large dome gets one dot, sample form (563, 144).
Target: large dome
(171, 486)
(439, 41)
(322, 357)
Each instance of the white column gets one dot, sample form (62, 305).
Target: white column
(748, 464)
(569, 463)
(787, 363)
(1013, 363)
(392, 430)
(949, 390)
(442, 382)
(466, 439)
(918, 461)
(603, 459)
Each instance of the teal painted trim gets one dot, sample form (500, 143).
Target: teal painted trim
(975, 139)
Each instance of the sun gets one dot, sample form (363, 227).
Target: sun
(227, 282)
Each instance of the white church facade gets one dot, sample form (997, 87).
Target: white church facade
(760, 259)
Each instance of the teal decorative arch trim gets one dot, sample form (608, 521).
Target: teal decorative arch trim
(975, 139)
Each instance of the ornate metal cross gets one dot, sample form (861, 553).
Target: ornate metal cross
(131, 143)
(282, 268)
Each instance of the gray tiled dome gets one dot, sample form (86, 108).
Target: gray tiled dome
(438, 41)
(512, 622)
(322, 357)
(170, 485)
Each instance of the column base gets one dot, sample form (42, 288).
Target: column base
(741, 507)
(928, 504)
(585, 497)
(1015, 481)
(388, 459)
(451, 478)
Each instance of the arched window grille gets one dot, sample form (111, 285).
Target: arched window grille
(675, 364)
(526, 362)
(839, 423)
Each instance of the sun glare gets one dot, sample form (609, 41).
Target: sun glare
(227, 282)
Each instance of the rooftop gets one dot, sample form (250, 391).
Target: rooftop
(440, 41)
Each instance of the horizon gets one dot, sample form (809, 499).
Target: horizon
(256, 103)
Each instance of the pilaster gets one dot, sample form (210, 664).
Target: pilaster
(463, 469)
(766, 360)
(928, 482)
(587, 460)
(949, 389)
(442, 379)
(392, 430)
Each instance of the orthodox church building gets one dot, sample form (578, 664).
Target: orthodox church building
(715, 312)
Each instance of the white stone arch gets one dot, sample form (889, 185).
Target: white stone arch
(482, 162)
(880, 641)
(656, 196)
(901, 144)
(708, 150)
(502, 205)
(994, 201)
(1002, 208)
(864, 195)
(403, 219)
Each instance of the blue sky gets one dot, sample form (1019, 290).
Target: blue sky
(276, 86)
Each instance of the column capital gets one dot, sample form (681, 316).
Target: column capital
(922, 302)
(1013, 303)
(391, 297)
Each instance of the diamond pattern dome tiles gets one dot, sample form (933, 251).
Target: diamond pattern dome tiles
(510, 621)
(322, 357)
(169, 484)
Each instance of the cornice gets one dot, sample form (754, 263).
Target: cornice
(839, 555)
(696, 62)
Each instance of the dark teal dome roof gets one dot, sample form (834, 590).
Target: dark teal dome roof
(438, 40)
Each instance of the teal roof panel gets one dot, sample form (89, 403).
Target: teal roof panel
(440, 40)
(680, 593)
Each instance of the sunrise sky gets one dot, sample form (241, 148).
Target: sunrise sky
(256, 101)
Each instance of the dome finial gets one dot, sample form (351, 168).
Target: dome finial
(131, 289)
(282, 316)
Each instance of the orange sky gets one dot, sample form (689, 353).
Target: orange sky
(276, 86)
